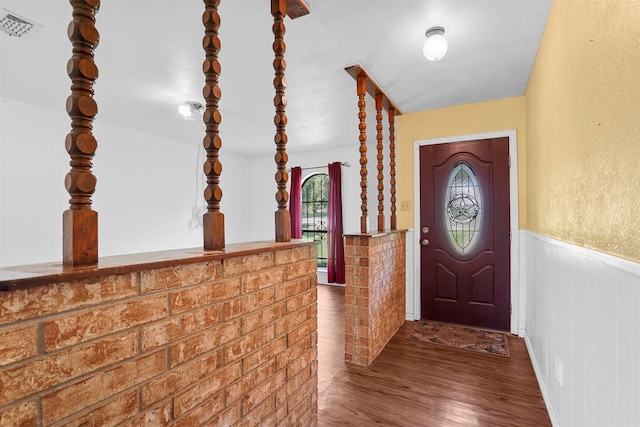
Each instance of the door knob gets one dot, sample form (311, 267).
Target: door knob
(425, 230)
(425, 242)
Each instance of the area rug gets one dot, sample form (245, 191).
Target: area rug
(461, 337)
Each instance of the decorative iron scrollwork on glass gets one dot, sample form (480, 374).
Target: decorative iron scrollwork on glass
(463, 208)
(315, 214)
(321, 225)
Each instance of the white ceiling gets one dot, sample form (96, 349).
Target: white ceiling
(150, 58)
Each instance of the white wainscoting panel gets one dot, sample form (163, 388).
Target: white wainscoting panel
(583, 332)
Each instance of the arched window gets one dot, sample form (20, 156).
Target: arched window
(315, 208)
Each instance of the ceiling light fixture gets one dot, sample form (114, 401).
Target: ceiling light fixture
(191, 110)
(435, 47)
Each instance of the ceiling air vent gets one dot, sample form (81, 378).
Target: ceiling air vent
(16, 25)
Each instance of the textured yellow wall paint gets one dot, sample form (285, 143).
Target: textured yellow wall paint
(583, 127)
(481, 117)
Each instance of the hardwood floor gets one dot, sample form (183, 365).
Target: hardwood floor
(421, 384)
(330, 334)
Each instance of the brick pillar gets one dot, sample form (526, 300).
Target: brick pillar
(374, 293)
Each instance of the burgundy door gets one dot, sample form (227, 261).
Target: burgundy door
(464, 233)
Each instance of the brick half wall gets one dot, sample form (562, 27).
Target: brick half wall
(217, 339)
(374, 293)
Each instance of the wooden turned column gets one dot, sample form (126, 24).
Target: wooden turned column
(213, 219)
(362, 116)
(282, 216)
(366, 84)
(380, 157)
(392, 167)
(80, 222)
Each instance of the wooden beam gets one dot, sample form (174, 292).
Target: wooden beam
(297, 8)
(373, 88)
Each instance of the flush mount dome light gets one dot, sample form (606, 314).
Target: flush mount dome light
(435, 47)
(191, 110)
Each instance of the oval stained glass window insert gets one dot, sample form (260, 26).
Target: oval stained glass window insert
(463, 208)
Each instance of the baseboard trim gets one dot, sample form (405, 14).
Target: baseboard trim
(543, 386)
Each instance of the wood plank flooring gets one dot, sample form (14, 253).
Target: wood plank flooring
(421, 384)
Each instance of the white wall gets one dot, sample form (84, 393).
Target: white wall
(149, 192)
(263, 202)
(583, 332)
(33, 164)
(146, 191)
(148, 196)
(237, 183)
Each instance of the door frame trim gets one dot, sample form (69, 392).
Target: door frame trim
(518, 294)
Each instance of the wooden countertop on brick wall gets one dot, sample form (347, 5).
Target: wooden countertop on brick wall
(375, 233)
(27, 276)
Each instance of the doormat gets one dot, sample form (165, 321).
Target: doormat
(462, 337)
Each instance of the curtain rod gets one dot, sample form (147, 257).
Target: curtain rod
(345, 164)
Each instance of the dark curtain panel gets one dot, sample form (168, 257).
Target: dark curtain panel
(335, 264)
(295, 203)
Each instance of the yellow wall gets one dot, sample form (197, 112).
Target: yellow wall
(490, 116)
(583, 127)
